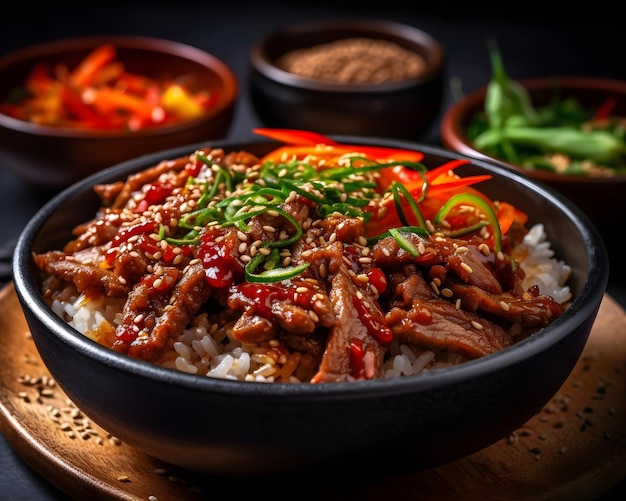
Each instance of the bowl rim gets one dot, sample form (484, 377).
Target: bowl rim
(584, 304)
(226, 97)
(453, 134)
(261, 62)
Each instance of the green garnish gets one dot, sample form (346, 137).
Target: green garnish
(482, 205)
(512, 129)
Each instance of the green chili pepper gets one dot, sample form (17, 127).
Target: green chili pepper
(482, 205)
(597, 145)
(506, 99)
(511, 129)
(396, 188)
(404, 242)
(271, 274)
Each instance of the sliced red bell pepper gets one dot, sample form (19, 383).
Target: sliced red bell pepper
(84, 115)
(87, 70)
(606, 109)
(39, 80)
(294, 136)
(302, 143)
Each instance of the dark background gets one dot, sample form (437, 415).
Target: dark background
(535, 38)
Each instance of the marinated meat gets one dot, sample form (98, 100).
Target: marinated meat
(350, 334)
(91, 280)
(153, 316)
(286, 265)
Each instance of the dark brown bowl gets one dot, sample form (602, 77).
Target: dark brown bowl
(55, 157)
(599, 197)
(358, 428)
(403, 109)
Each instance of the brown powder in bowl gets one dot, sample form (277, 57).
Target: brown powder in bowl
(354, 61)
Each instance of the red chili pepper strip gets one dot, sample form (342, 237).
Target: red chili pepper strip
(127, 232)
(433, 174)
(357, 365)
(331, 152)
(374, 322)
(88, 69)
(294, 136)
(460, 182)
(83, 113)
(606, 109)
(39, 79)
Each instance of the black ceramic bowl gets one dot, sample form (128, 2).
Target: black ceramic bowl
(403, 109)
(242, 428)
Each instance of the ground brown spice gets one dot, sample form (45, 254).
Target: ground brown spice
(355, 61)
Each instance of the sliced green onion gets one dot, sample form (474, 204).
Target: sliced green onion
(421, 232)
(273, 274)
(191, 238)
(403, 242)
(396, 188)
(482, 205)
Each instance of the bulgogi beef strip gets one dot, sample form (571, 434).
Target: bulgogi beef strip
(340, 313)
(467, 299)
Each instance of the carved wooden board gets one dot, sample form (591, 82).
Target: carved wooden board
(575, 448)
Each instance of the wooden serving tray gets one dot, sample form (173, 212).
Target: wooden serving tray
(575, 448)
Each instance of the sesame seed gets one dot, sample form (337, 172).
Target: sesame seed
(477, 325)
(505, 306)
(467, 267)
(484, 248)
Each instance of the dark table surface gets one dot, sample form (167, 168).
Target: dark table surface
(540, 38)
